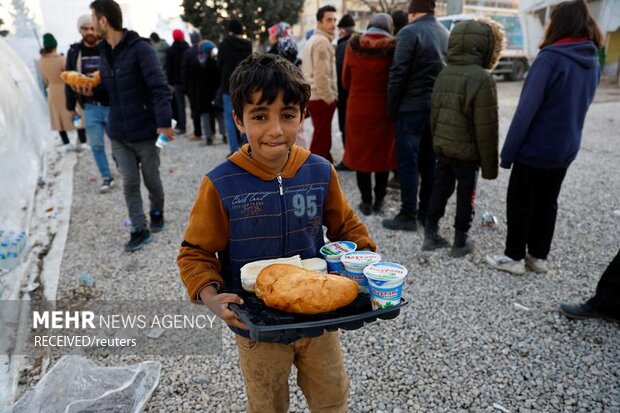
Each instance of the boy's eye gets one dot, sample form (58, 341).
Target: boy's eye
(259, 117)
(289, 116)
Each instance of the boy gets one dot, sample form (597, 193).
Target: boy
(269, 200)
(465, 128)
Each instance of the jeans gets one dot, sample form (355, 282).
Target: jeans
(414, 153)
(96, 120)
(447, 174)
(133, 158)
(322, 114)
(531, 209)
(231, 128)
(179, 96)
(206, 118)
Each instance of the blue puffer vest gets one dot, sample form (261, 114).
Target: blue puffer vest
(270, 219)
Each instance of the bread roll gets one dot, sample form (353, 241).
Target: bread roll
(297, 290)
(250, 271)
(73, 78)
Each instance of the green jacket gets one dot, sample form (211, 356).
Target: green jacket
(464, 119)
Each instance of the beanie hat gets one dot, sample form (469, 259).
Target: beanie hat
(49, 41)
(195, 38)
(83, 20)
(422, 6)
(178, 35)
(381, 21)
(346, 21)
(235, 26)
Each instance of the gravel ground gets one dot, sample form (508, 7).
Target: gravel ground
(473, 339)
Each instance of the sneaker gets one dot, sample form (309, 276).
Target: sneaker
(366, 208)
(69, 147)
(377, 207)
(433, 241)
(583, 311)
(402, 221)
(195, 138)
(157, 221)
(462, 245)
(537, 265)
(342, 167)
(179, 131)
(84, 147)
(139, 238)
(504, 263)
(108, 183)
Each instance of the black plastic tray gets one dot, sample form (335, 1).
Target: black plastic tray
(269, 325)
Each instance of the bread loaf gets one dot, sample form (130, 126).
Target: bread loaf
(250, 271)
(297, 290)
(73, 78)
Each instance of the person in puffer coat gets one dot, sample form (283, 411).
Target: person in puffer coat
(464, 126)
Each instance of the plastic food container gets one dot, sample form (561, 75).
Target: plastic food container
(354, 263)
(385, 283)
(332, 253)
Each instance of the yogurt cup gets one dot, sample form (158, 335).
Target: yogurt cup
(354, 263)
(332, 253)
(385, 283)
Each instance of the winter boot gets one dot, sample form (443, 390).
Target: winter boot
(462, 246)
(433, 241)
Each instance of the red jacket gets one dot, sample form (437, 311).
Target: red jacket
(370, 145)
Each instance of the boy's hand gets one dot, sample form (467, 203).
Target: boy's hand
(218, 304)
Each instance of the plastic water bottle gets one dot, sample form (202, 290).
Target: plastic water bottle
(162, 140)
(77, 121)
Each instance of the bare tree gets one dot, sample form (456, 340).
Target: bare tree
(383, 6)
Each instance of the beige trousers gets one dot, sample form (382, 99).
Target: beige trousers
(320, 373)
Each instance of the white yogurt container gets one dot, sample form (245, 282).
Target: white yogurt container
(332, 253)
(354, 263)
(385, 283)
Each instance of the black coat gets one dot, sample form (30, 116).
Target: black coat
(231, 52)
(139, 96)
(174, 59)
(201, 81)
(421, 53)
(341, 48)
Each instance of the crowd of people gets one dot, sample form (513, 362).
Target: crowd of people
(412, 98)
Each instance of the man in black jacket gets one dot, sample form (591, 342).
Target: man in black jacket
(139, 111)
(421, 53)
(174, 59)
(231, 52)
(346, 27)
(84, 57)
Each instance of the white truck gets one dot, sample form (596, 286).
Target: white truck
(513, 62)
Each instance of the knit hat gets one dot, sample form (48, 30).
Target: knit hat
(195, 38)
(346, 21)
(178, 35)
(235, 26)
(381, 21)
(49, 41)
(422, 6)
(84, 20)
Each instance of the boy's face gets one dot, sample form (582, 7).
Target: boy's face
(271, 129)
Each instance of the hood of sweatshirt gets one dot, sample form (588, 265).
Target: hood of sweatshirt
(584, 53)
(296, 158)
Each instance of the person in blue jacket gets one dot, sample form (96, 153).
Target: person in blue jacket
(139, 110)
(545, 134)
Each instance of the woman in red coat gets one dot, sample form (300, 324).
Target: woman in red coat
(370, 145)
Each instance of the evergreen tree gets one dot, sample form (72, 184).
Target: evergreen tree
(210, 16)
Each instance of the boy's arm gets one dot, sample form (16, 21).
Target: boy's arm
(205, 235)
(486, 126)
(341, 222)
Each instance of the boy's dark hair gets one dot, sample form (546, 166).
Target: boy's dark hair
(572, 19)
(155, 37)
(269, 74)
(400, 20)
(321, 12)
(110, 10)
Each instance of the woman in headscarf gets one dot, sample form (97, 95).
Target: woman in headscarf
(371, 144)
(281, 42)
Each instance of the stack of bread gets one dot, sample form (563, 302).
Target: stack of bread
(73, 78)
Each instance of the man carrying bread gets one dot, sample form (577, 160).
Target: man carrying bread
(269, 200)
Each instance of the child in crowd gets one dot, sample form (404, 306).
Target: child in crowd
(269, 200)
(464, 124)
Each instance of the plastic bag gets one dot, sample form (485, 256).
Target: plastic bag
(76, 384)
